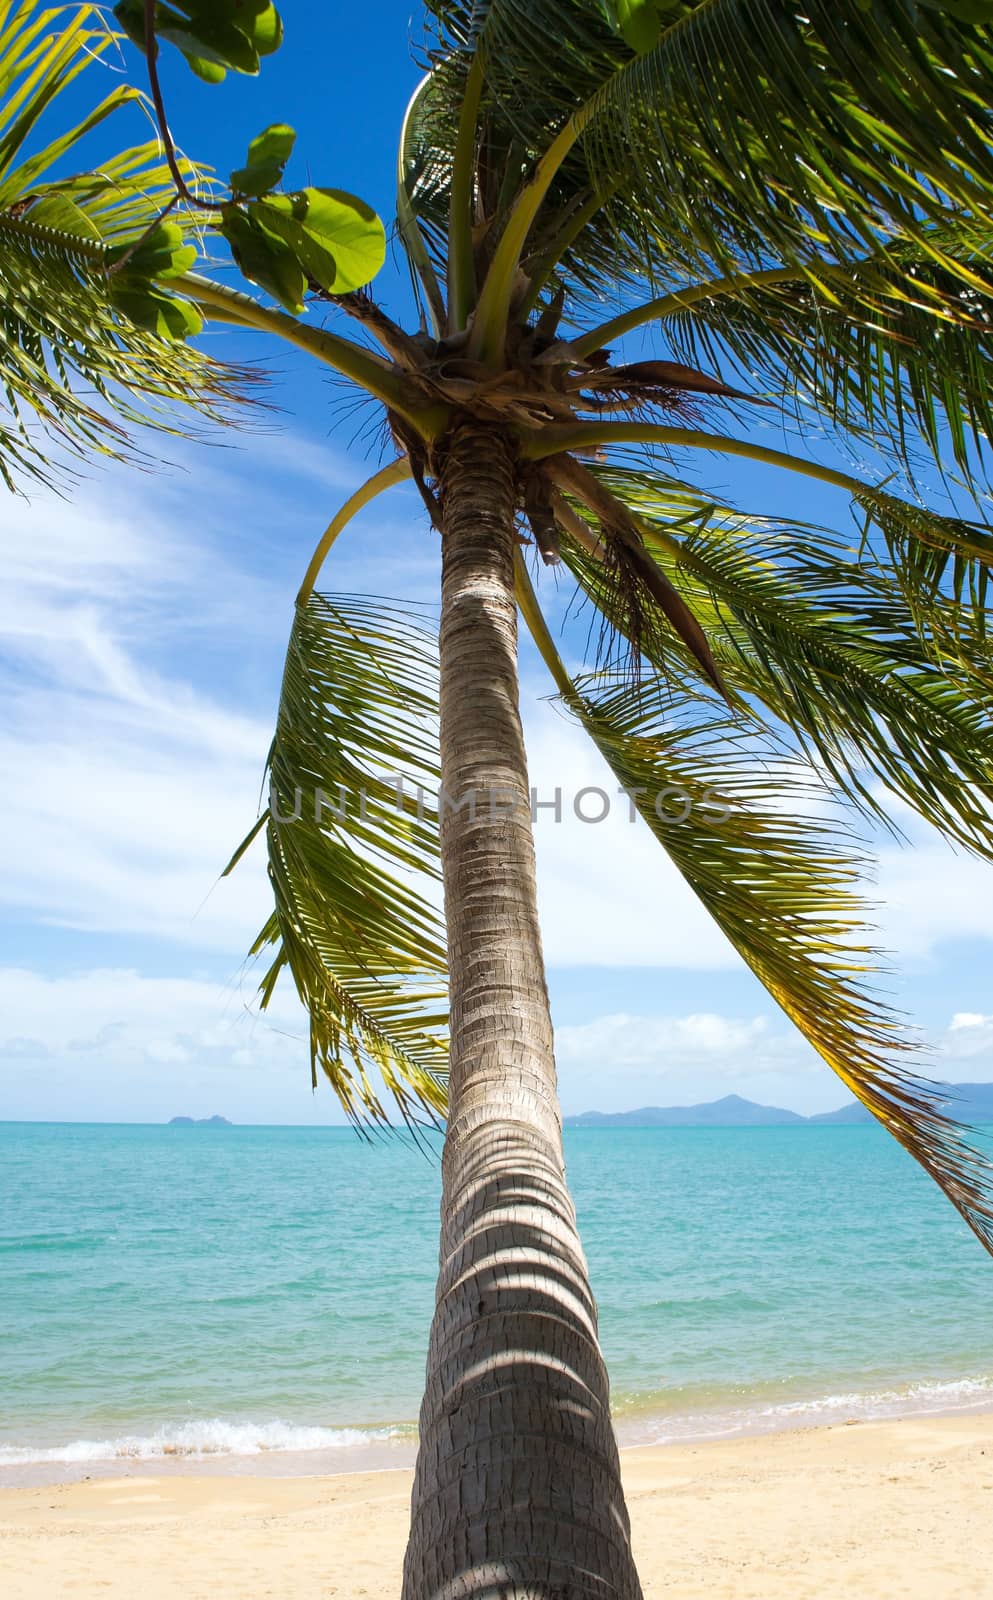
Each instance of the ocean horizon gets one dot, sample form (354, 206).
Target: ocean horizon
(258, 1297)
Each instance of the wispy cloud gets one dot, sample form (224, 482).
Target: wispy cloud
(117, 1043)
(623, 1060)
(142, 629)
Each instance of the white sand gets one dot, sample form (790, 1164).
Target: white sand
(874, 1511)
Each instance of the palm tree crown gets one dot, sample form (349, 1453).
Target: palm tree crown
(796, 237)
(745, 180)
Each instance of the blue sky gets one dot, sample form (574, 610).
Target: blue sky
(142, 627)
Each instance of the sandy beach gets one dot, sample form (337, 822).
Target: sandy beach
(875, 1510)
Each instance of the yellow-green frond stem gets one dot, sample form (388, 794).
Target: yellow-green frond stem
(396, 472)
(489, 329)
(558, 439)
(671, 305)
(538, 628)
(409, 228)
(350, 359)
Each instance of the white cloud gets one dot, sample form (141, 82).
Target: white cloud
(632, 1041)
(127, 786)
(928, 893)
(117, 1043)
(966, 1049)
(622, 1061)
(963, 1020)
(114, 1042)
(607, 892)
(140, 645)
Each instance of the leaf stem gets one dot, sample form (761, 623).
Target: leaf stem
(669, 305)
(556, 440)
(461, 266)
(493, 310)
(532, 613)
(542, 264)
(395, 472)
(489, 330)
(369, 371)
(421, 264)
(169, 149)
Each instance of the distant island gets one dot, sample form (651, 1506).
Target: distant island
(199, 1122)
(969, 1102)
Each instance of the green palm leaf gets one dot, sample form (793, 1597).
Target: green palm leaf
(822, 641)
(349, 852)
(751, 132)
(929, 556)
(725, 804)
(86, 353)
(782, 888)
(896, 351)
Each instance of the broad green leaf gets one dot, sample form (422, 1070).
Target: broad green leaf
(163, 254)
(209, 38)
(267, 158)
(209, 71)
(265, 29)
(161, 314)
(213, 35)
(264, 258)
(130, 14)
(205, 37)
(639, 22)
(339, 240)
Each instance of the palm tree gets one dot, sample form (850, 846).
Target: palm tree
(801, 202)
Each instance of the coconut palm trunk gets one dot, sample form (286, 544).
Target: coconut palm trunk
(518, 1487)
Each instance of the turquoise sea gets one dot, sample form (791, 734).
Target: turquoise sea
(259, 1298)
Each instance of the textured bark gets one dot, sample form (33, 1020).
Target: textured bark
(517, 1494)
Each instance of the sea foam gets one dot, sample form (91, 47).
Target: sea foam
(199, 1438)
(937, 1398)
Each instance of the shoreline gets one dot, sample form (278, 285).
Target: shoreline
(899, 1510)
(215, 1448)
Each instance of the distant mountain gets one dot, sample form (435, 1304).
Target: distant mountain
(731, 1112)
(971, 1102)
(854, 1111)
(968, 1102)
(199, 1122)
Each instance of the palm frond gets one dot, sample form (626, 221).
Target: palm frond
(752, 131)
(896, 350)
(807, 632)
(352, 835)
(579, 51)
(782, 887)
(927, 552)
(799, 131)
(83, 359)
